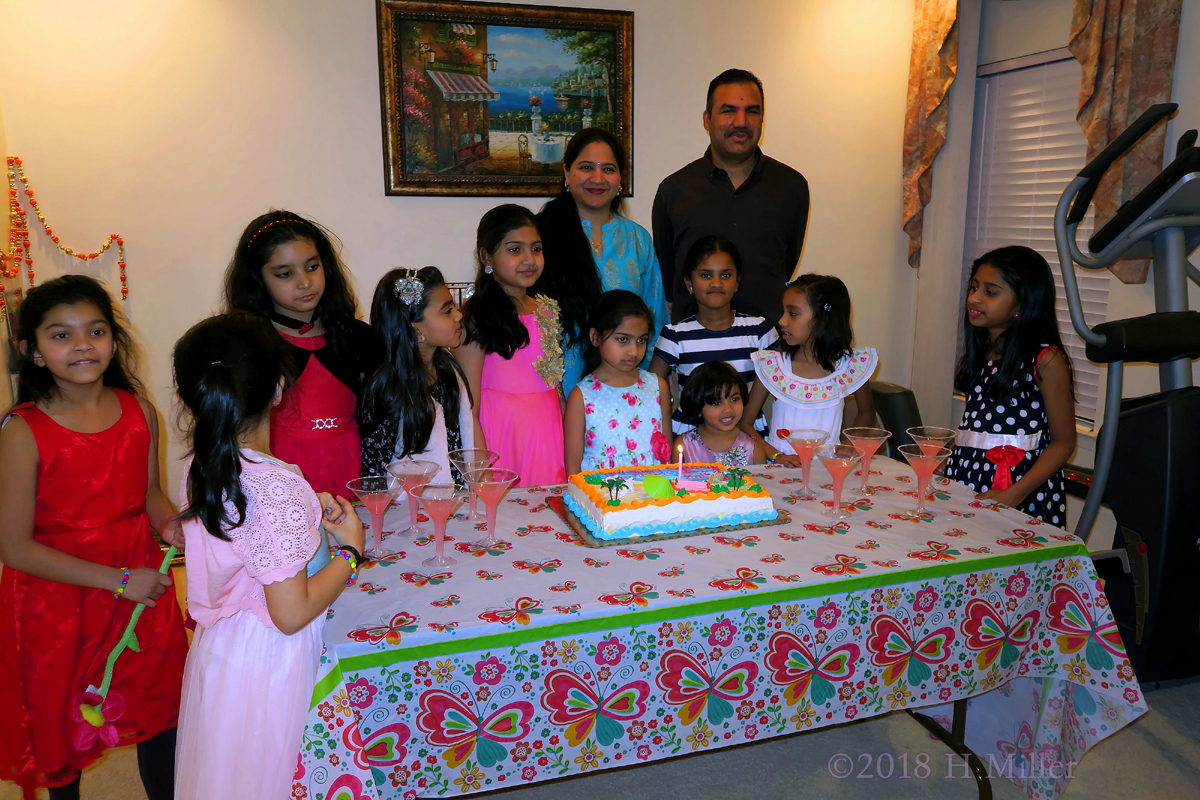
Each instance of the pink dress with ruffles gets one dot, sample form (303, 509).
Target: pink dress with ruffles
(522, 418)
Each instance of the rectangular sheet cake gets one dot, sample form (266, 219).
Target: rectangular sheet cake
(612, 503)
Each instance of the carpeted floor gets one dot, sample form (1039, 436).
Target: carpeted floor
(1157, 757)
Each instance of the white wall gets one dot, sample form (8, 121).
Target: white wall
(174, 123)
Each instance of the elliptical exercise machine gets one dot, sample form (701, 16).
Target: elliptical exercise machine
(1153, 441)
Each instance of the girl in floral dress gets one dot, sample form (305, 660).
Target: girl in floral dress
(617, 407)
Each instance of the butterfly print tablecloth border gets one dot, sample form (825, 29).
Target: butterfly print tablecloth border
(526, 661)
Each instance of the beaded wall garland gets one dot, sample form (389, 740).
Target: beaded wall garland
(18, 235)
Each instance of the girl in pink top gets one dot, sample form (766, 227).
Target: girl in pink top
(251, 525)
(512, 354)
(713, 400)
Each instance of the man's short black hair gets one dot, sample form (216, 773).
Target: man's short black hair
(733, 76)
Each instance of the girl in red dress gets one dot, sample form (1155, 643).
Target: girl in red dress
(287, 270)
(79, 467)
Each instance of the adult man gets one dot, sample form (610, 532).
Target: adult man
(736, 191)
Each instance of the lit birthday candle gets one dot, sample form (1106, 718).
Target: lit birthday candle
(680, 449)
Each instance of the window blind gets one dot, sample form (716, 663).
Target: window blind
(1026, 147)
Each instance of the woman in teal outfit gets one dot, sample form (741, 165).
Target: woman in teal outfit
(591, 248)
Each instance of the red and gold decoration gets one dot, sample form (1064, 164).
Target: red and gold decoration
(18, 234)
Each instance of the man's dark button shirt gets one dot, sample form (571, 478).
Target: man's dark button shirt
(765, 218)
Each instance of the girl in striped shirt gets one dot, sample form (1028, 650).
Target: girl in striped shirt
(712, 274)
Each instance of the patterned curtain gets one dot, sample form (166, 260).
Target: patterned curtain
(1127, 49)
(931, 72)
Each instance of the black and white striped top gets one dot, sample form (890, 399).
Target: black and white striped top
(687, 344)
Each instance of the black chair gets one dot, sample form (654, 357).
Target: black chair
(897, 409)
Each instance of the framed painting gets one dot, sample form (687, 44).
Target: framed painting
(482, 98)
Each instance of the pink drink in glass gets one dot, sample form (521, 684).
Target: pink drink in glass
(491, 485)
(839, 459)
(805, 442)
(440, 501)
(869, 440)
(931, 438)
(376, 493)
(413, 475)
(923, 463)
(469, 459)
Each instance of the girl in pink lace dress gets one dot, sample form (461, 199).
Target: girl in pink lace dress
(512, 354)
(251, 526)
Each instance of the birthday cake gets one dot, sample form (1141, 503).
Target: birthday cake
(640, 502)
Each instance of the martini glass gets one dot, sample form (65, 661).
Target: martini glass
(413, 474)
(931, 438)
(923, 462)
(490, 486)
(440, 500)
(470, 459)
(376, 493)
(839, 459)
(805, 442)
(869, 440)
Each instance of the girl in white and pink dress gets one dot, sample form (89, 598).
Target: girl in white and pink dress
(251, 525)
(813, 370)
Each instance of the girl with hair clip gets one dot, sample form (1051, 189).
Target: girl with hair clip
(511, 354)
(79, 467)
(286, 269)
(592, 247)
(813, 370)
(616, 413)
(417, 403)
(251, 524)
(1018, 429)
(713, 402)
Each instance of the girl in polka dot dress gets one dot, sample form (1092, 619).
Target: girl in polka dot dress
(1019, 426)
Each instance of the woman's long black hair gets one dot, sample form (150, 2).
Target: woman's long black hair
(491, 318)
(227, 369)
(832, 337)
(36, 384)
(613, 308)
(398, 389)
(571, 276)
(1036, 326)
(245, 289)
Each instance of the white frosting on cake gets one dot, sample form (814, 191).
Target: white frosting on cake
(638, 516)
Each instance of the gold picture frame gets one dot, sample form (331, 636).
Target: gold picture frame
(482, 98)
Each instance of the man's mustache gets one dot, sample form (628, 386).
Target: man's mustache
(735, 131)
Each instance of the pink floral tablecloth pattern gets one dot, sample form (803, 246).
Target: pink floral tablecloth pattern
(539, 657)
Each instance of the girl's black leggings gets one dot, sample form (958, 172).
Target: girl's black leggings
(156, 763)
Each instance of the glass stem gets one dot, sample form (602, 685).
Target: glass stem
(837, 495)
(922, 488)
(491, 523)
(377, 530)
(805, 469)
(866, 472)
(412, 514)
(439, 537)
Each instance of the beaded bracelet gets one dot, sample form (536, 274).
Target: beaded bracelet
(353, 562)
(124, 582)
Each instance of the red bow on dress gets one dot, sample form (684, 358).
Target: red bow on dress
(1005, 458)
